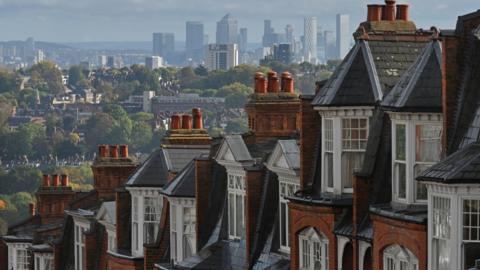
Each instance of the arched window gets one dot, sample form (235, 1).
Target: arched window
(396, 257)
(313, 249)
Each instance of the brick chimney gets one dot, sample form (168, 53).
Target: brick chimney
(103, 151)
(389, 13)
(260, 83)
(403, 12)
(187, 122)
(374, 13)
(175, 122)
(110, 173)
(53, 197)
(273, 115)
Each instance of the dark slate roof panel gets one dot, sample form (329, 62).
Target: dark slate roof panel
(420, 87)
(183, 185)
(178, 158)
(152, 173)
(291, 152)
(238, 148)
(462, 167)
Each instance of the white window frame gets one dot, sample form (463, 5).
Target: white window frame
(112, 241)
(463, 225)
(236, 188)
(79, 243)
(178, 226)
(13, 256)
(441, 226)
(395, 256)
(286, 189)
(338, 150)
(43, 261)
(410, 122)
(309, 243)
(138, 215)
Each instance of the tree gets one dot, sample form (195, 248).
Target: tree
(141, 136)
(8, 81)
(76, 77)
(25, 140)
(98, 129)
(20, 179)
(235, 101)
(186, 76)
(201, 71)
(5, 112)
(46, 77)
(142, 117)
(115, 111)
(236, 126)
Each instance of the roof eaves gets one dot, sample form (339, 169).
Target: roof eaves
(372, 71)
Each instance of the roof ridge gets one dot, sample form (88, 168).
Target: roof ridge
(372, 70)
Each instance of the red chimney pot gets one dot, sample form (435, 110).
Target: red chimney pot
(260, 83)
(197, 118)
(374, 13)
(31, 208)
(403, 12)
(287, 83)
(65, 180)
(273, 85)
(175, 122)
(124, 151)
(103, 150)
(114, 151)
(186, 121)
(389, 11)
(46, 180)
(56, 180)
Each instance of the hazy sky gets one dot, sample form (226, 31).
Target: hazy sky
(135, 20)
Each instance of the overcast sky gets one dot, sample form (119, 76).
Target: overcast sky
(136, 20)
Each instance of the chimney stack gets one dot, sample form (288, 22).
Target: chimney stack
(197, 118)
(31, 208)
(175, 122)
(403, 12)
(56, 180)
(273, 85)
(103, 150)
(389, 11)
(46, 180)
(124, 151)
(287, 83)
(114, 151)
(65, 181)
(260, 83)
(186, 121)
(374, 13)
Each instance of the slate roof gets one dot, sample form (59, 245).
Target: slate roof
(368, 73)
(152, 173)
(183, 185)
(177, 158)
(420, 87)
(291, 152)
(238, 147)
(110, 210)
(411, 213)
(462, 167)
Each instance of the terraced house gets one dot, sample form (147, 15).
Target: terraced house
(377, 170)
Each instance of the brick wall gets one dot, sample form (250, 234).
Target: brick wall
(109, 176)
(159, 251)
(310, 124)
(388, 232)
(90, 249)
(116, 263)
(254, 184)
(322, 219)
(3, 255)
(449, 85)
(203, 187)
(123, 204)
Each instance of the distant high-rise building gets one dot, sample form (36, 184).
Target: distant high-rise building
(227, 30)
(153, 62)
(321, 49)
(268, 34)
(115, 62)
(330, 45)
(289, 34)
(343, 35)
(102, 61)
(163, 44)
(243, 40)
(283, 53)
(310, 40)
(194, 40)
(221, 56)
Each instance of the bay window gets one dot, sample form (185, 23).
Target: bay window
(112, 241)
(79, 247)
(236, 206)
(441, 227)
(287, 189)
(396, 257)
(18, 256)
(344, 140)
(182, 228)
(146, 212)
(416, 145)
(43, 262)
(313, 250)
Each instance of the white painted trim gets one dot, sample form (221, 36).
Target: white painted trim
(12, 253)
(40, 260)
(362, 250)
(342, 241)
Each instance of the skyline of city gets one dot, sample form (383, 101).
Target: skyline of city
(137, 23)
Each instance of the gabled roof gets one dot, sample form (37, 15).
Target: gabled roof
(152, 173)
(286, 155)
(183, 185)
(178, 157)
(420, 87)
(108, 212)
(355, 82)
(234, 149)
(462, 167)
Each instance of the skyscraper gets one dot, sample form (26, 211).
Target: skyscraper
(227, 30)
(194, 40)
(310, 40)
(343, 35)
(268, 34)
(221, 56)
(330, 45)
(243, 40)
(163, 44)
(289, 34)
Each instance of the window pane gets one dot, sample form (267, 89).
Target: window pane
(187, 248)
(400, 142)
(441, 255)
(351, 162)
(428, 142)
(400, 171)
(328, 134)
(328, 168)
(239, 206)
(421, 188)
(231, 213)
(471, 253)
(354, 133)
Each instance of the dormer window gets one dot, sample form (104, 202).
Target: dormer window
(343, 145)
(416, 145)
(236, 206)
